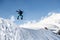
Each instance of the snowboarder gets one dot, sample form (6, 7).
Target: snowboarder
(20, 12)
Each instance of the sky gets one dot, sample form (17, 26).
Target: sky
(32, 9)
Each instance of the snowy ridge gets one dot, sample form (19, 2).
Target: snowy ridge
(10, 31)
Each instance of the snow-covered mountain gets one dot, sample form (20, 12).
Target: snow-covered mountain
(10, 31)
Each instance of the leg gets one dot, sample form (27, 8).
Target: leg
(18, 17)
(22, 17)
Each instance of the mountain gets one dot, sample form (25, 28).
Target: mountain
(11, 31)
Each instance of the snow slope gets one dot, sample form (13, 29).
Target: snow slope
(10, 31)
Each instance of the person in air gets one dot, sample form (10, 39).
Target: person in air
(20, 12)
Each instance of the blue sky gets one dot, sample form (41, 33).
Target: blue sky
(33, 9)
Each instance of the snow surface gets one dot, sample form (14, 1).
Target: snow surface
(10, 31)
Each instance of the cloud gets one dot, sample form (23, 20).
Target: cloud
(51, 19)
(12, 18)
